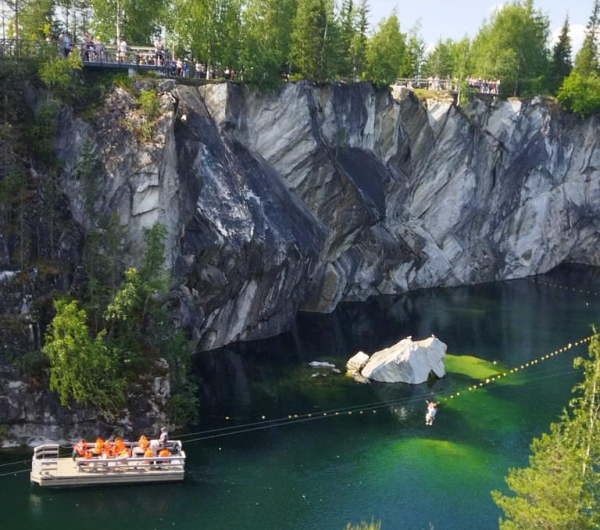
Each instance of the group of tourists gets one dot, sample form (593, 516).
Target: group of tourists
(484, 86)
(117, 448)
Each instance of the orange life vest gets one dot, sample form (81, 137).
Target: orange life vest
(99, 446)
(144, 443)
(164, 452)
(149, 453)
(80, 447)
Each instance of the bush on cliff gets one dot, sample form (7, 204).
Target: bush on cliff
(581, 94)
(83, 369)
(59, 75)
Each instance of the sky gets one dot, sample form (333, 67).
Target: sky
(457, 18)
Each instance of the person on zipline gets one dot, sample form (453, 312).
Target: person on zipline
(431, 412)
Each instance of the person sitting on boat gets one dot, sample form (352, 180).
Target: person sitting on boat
(79, 448)
(119, 445)
(98, 448)
(124, 453)
(431, 412)
(141, 447)
(164, 438)
(108, 449)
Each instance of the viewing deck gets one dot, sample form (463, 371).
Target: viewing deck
(48, 469)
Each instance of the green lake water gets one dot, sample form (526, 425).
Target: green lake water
(320, 475)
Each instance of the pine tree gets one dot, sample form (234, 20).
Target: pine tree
(586, 61)
(561, 63)
(347, 32)
(314, 40)
(386, 52)
(580, 91)
(413, 59)
(560, 488)
(440, 61)
(358, 46)
(267, 38)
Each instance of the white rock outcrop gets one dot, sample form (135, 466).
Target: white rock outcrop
(356, 363)
(407, 361)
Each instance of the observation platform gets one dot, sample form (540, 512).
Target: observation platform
(50, 470)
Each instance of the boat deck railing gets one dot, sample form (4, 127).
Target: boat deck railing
(46, 460)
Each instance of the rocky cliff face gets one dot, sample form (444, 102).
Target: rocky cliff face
(297, 200)
(301, 199)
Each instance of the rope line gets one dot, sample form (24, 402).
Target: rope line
(15, 463)
(373, 409)
(15, 472)
(510, 371)
(563, 287)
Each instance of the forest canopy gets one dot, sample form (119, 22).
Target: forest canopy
(266, 41)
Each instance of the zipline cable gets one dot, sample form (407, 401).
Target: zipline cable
(545, 375)
(15, 463)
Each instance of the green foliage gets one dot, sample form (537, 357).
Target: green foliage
(12, 187)
(414, 55)
(4, 431)
(82, 369)
(512, 47)
(35, 19)
(440, 61)
(359, 42)
(586, 61)
(41, 134)
(314, 40)
(127, 300)
(184, 403)
(385, 53)
(60, 75)
(559, 490)
(149, 103)
(267, 38)
(581, 94)
(561, 63)
(208, 29)
(153, 272)
(138, 20)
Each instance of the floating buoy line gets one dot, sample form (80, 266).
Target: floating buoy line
(363, 409)
(563, 287)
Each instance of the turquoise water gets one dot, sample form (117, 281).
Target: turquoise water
(320, 475)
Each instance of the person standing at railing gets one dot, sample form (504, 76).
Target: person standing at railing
(163, 440)
(99, 49)
(64, 42)
(159, 51)
(122, 50)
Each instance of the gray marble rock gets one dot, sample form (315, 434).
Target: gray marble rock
(312, 195)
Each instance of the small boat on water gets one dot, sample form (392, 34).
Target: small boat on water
(50, 469)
